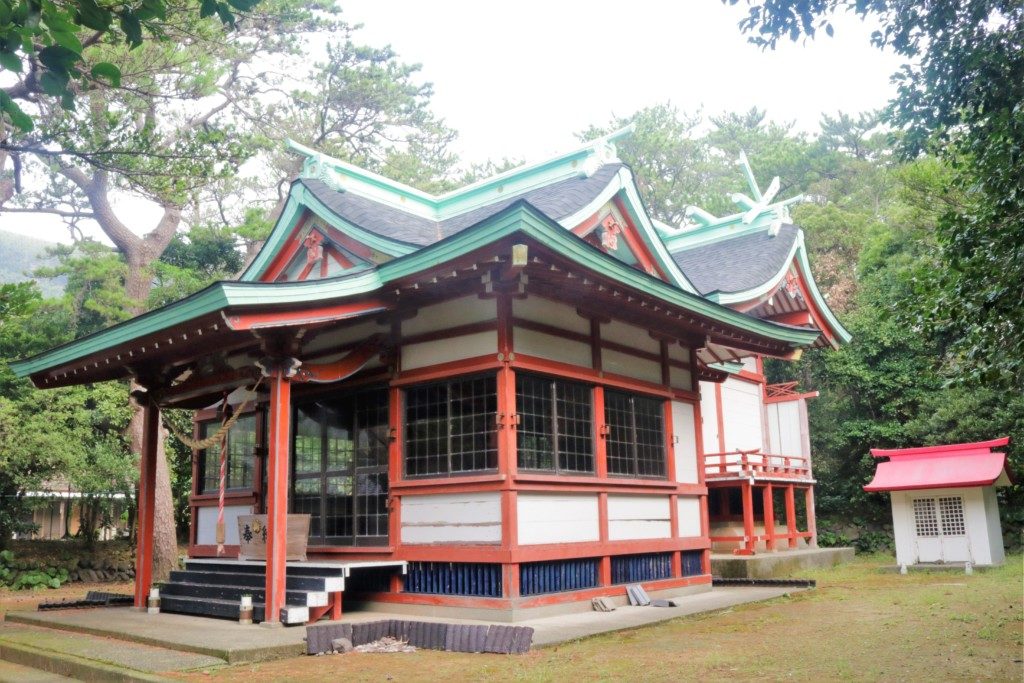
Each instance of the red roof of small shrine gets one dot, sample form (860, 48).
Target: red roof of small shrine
(938, 467)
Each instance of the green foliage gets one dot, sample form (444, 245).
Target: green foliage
(959, 97)
(45, 44)
(831, 539)
(18, 577)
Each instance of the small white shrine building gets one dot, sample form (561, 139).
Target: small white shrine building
(944, 506)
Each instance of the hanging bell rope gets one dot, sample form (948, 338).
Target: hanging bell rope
(225, 427)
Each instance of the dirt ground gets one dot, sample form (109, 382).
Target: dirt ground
(859, 624)
(11, 601)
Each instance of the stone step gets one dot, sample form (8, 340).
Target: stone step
(57, 653)
(16, 673)
(220, 591)
(227, 609)
(256, 581)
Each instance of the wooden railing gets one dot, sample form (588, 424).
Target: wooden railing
(755, 464)
(781, 389)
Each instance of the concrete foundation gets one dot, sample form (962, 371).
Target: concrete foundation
(513, 615)
(777, 565)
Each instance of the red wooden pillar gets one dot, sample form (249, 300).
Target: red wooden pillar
(279, 428)
(748, 520)
(812, 524)
(791, 515)
(147, 496)
(508, 458)
(768, 503)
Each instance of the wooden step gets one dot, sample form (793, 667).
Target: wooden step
(313, 569)
(227, 609)
(256, 581)
(235, 593)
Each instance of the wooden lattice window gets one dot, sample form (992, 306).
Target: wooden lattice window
(636, 435)
(555, 430)
(951, 510)
(450, 427)
(241, 456)
(925, 519)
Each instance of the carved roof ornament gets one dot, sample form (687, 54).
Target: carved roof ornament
(610, 231)
(314, 244)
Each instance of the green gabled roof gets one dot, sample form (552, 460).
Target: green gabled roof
(342, 184)
(518, 218)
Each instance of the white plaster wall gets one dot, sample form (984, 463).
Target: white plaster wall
(345, 335)
(630, 366)
(633, 517)
(557, 518)
(995, 531)
(685, 442)
(976, 523)
(784, 428)
(533, 343)
(689, 516)
(462, 311)
(741, 411)
(452, 518)
(550, 312)
(206, 524)
(677, 352)
(630, 335)
(446, 350)
(709, 417)
(680, 378)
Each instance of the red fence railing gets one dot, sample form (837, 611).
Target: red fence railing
(755, 464)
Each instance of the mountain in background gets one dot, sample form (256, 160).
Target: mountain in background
(20, 255)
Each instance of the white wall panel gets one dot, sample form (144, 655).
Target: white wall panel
(709, 417)
(445, 350)
(741, 414)
(557, 518)
(680, 379)
(463, 311)
(632, 517)
(677, 352)
(630, 366)
(685, 442)
(784, 433)
(550, 313)
(346, 335)
(629, 335)
(533, 343)
(689, 516)
(452, 518)
(206, 524)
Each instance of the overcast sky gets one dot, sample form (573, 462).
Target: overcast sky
(519, 79)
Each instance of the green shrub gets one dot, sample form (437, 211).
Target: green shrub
(831, 539)
(20, 575)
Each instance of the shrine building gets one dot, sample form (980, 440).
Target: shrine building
(521, 393)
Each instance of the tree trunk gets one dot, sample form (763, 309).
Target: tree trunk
(165, 533)
(165, 536)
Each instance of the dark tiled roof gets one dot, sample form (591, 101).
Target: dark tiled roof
(556, 201)
(738, 264)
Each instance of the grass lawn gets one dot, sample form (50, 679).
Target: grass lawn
(858, 624)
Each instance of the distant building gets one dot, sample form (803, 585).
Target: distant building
(56, 512)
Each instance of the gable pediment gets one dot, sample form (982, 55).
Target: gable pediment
(316, 250)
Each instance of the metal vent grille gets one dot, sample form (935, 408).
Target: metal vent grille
(693, 562)
(925, 519)
(454, 578)
(557, 577)
(952, 512)
(634, 568)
